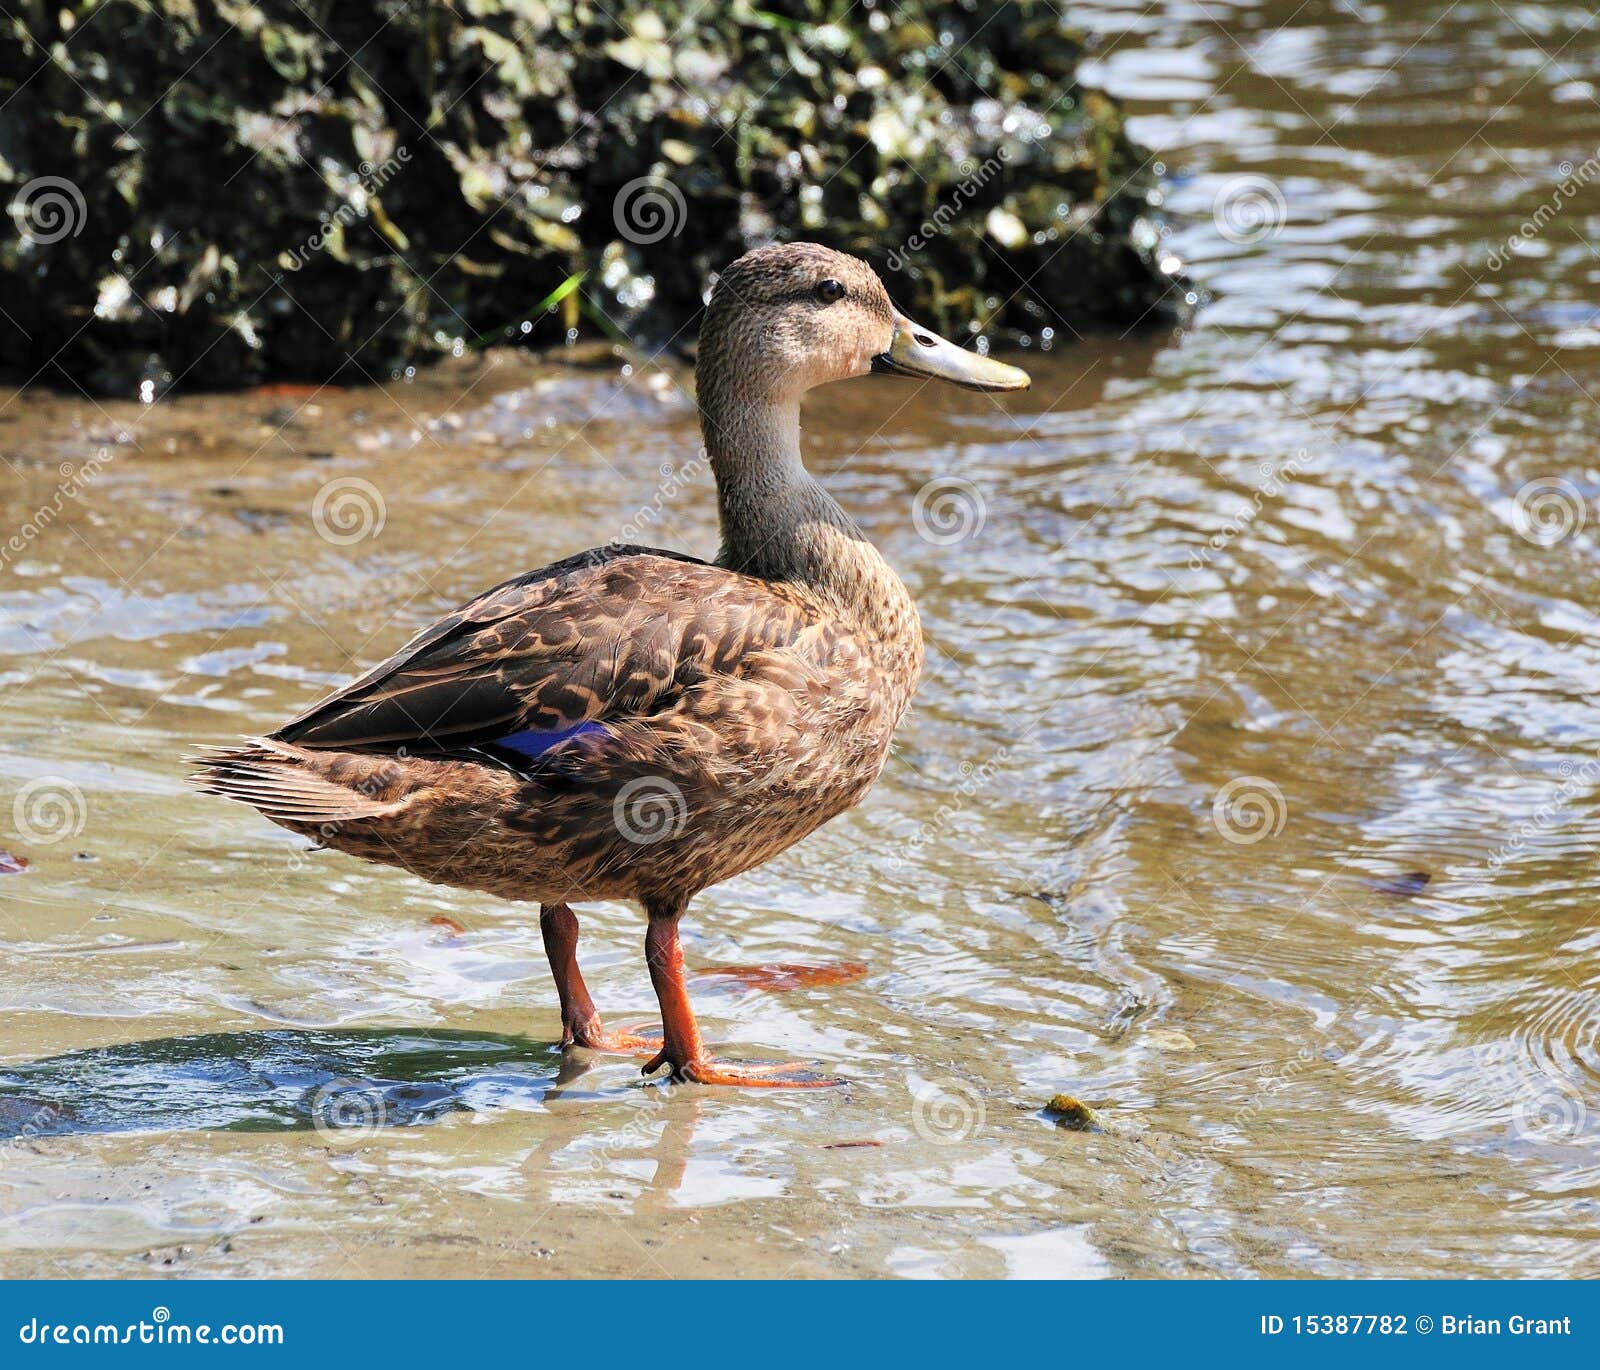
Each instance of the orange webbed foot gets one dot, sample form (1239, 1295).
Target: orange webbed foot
(703, 1070)
(628, 1042)
(684, 1050)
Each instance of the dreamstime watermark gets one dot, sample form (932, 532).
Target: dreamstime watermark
(948, 510)
(348, 510)
(1538, 1092)
(49, 810)
(75, 480)
(157, 1330)
(1249, 209)
(332, 596)
(1247, 809)
(1275, 479)
(1552, 1115)
(674, 478)
(350, 1110)
(1573, 179)
(48, 209)
(648, 209)
(1268, 1086)
(1265, 1103)
(973, 780)
(603, 1151)
(1579, 779)
(371, 786)
(974, 176)
(372, 179)
(946, 1112)
(1548, 510)
(649, 809)
(38, 1125)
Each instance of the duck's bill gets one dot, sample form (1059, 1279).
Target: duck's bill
(915, 351)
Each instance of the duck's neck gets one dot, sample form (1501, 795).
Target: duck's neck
(779, 524)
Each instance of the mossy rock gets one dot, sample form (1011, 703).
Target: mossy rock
(1073, 1114)
(210, 193)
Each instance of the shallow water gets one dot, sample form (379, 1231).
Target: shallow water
(1250, 796)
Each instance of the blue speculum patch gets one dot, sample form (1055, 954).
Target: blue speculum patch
(533, 744)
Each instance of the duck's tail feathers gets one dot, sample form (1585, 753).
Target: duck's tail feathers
(291, 785)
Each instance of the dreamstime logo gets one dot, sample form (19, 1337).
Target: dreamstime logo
(352, 1110)
(948, 510)
(371, 786)
(648, 209)
(974, 176)
(1547, 511)
(946, 1113)
(1249, 808)
(1273, 482)
(1269, 1084)
(973, 779)
(1249, 209)
(673, 479)
(1576, 779)
(649, 809)
(48, 209)
(49, 810)
(37, 1125)
(75, 483)
(1554, 1116)
(348, 510)
(360, 197)
(638, 1133)
(1573, 180)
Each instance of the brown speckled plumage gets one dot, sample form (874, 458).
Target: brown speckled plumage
(742, 715)
(730, 708)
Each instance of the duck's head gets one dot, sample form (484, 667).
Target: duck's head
(785, 318)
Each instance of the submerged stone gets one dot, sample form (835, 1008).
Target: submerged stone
(1073, 1114)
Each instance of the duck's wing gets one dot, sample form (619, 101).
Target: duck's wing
(614, 633)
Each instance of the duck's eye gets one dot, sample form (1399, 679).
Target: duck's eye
(830, 290)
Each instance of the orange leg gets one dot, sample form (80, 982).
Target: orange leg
(580, 1024)
(682, 1048)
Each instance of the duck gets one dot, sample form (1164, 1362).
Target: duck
(633, 723)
